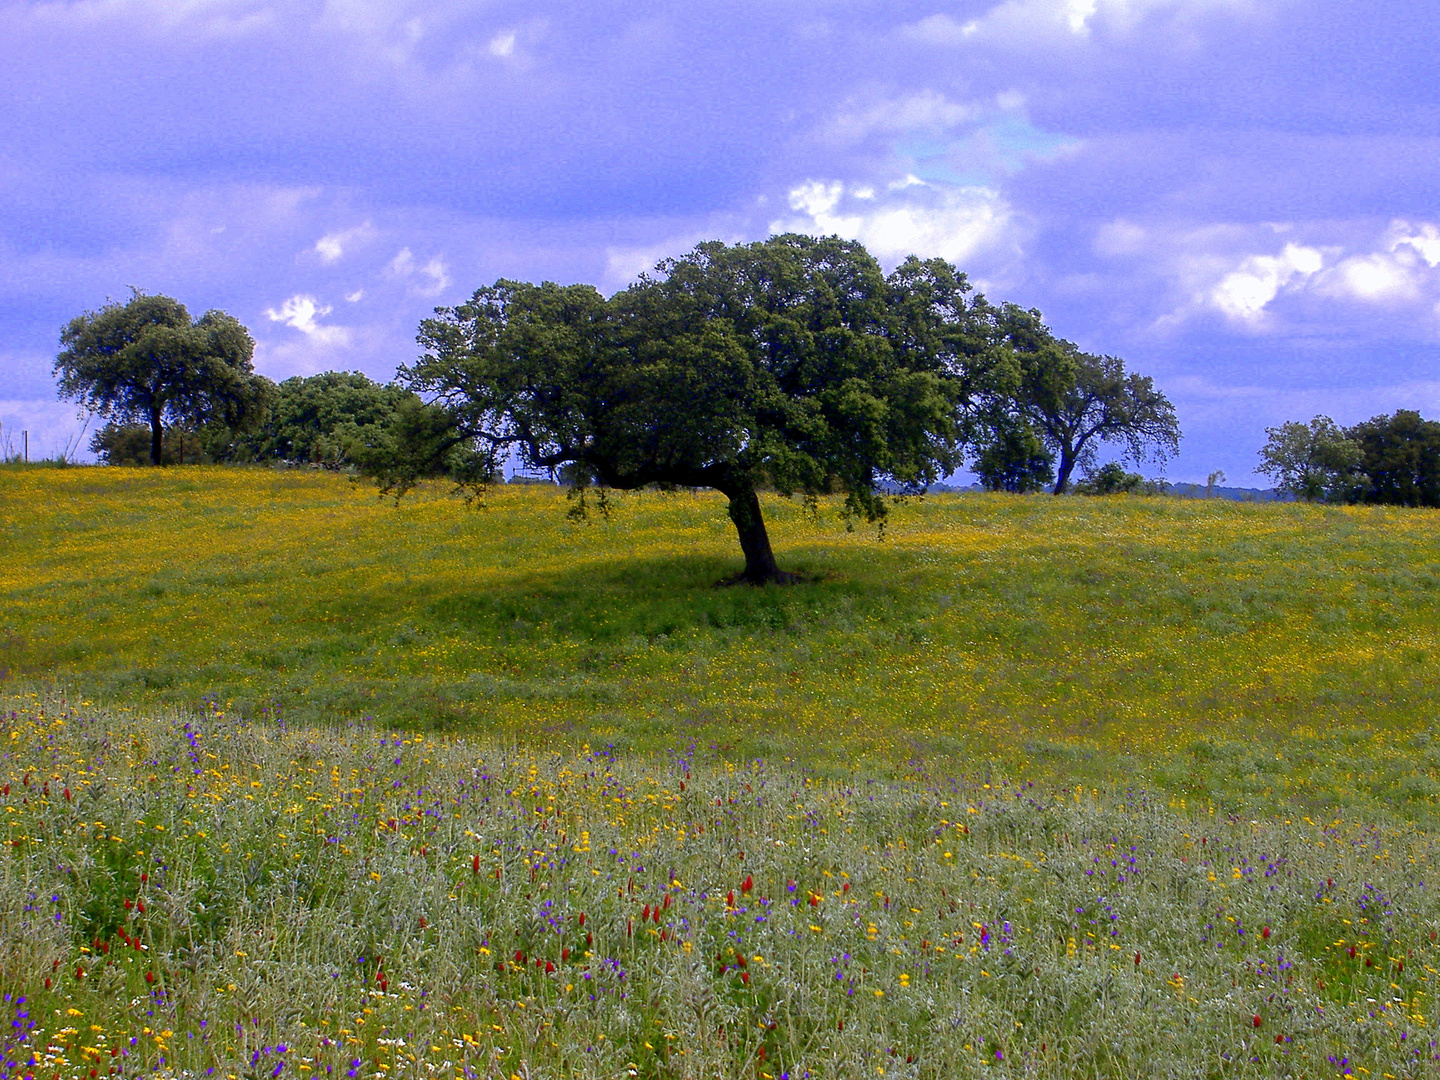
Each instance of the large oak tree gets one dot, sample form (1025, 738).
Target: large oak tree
(793, 363)
(146, 362)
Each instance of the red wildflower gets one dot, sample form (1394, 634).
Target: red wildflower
(582, 920)
(745, 977)
(747, 884)
(565, 954)
(519, 957)
(1137, 959)
(475, 865)
(645, 913)
(1255, 1020)
(730, 898)
(1265, 933)
(549, 966)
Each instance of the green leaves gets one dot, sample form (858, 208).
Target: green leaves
(793, 363)
(146, 361)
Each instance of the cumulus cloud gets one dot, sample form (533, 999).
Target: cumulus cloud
(300, 311)
(1244, 293)
(1399, 271)
(1424, 240)
(912, 217)
(333, 246)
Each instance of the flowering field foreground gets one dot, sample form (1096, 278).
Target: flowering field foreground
(207, 897)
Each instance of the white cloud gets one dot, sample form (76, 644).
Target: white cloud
(300, 311)
(502, 44)
(925, 111)
(914, 217)
(1400, 271)
(403, 266)
(1023, 22)
(332, 247)
(1246, 291)
(1376, 277)
(1424, 240)
(356, 296)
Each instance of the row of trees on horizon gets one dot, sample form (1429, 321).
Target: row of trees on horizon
(793, 363)
(1389, 460)
(1036, 410)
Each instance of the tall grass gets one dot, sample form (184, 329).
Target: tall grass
(201, 896)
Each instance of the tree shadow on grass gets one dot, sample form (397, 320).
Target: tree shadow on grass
(648, 598)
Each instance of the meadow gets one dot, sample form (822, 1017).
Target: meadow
(298, 780)
(202, 896)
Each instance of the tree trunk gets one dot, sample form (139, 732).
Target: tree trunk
(1063, 471)
(157, 438)
(760, 567)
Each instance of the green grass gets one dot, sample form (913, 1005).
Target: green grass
(196, 896)
(1037, 738)
(1264, 650)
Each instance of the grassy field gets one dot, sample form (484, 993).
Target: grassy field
(298, 782)
(1275, 649)
(200, 896)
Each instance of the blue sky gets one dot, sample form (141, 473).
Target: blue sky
(1241, 198)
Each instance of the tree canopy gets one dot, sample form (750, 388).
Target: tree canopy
(145, 361)
(1066, 405)
(793, 363)
(1400, 459)
(1314, 461)
(331, 419)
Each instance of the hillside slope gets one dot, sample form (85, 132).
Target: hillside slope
(980, 627)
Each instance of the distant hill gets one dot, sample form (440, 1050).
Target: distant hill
(1238, 494)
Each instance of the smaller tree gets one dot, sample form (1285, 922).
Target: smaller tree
(1076, 402)
(1315, 461)
(1112, 479)
(1400, 458)
(145, 361)
(332, 419)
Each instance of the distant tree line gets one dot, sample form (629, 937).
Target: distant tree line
(1390, 460)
